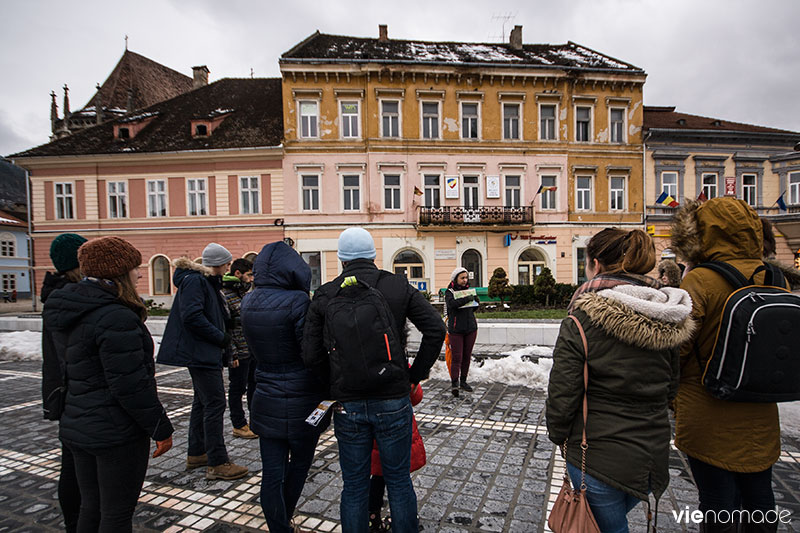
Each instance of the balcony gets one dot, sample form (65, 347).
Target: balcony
(475, 216)
(663, 213)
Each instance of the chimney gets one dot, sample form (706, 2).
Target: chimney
(383, 33)
(200, 76)
(516, 38)
(53, 111)
(98, 106)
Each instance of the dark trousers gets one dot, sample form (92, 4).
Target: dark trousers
(206, 421)
(723, 490)
(461, 348)
(69, 494)
(285, 465)
(110, 480)
(377, 489)
(241, 380)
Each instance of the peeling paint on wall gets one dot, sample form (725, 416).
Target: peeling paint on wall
(450, 124)
(633, 129)
(563, 120)
(633, 109)
(564, 131)
(602, 136)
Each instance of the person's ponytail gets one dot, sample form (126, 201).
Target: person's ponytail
(623, 251)
(639, 253)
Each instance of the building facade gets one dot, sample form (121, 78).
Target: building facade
(478, 155)
(14, 254)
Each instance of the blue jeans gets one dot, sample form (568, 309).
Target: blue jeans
(241, 380)
(285, 465)
(389, 423)
(609, 506)
(206, 421)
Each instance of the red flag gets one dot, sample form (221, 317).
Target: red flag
(702, 198)
(417, 191)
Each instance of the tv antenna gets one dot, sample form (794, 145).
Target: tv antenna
(503, 19)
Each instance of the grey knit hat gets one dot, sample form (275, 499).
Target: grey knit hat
(215, 255)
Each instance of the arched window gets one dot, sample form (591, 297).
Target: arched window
(410, 264)
(471, 260)
(529, 266)
(160, 272)
(8, 245)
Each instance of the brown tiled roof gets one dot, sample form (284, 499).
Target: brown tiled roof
(570, 56)
(255, 120)
(667, 118)
(151, 83)
(10, 220)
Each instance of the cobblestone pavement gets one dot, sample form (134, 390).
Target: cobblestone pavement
(490, 468)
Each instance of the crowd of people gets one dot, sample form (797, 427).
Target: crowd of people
(640, 342)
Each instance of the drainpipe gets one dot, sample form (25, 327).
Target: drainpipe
(31, 279)
(644, 178)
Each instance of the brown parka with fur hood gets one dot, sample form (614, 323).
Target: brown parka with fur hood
(735, 436)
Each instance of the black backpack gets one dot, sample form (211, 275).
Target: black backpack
(365, 351)
(756, 355)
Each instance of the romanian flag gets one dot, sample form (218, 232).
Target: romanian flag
(781, 203)
(667, 200)
(543, 188)
(417, 192)
(702, 197)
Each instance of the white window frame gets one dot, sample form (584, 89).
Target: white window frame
(507, 188)
(477, 105)
(64, 202)
(555, 121)
(398, 188)
(518, 105)
(750, 187)
(300, 117)
(153, 275)
(623, 133)
(578, 190)
(552, 196)
(793, 187)
(119, 197)
(669, 189)
(342, 176)
(590, 133)
(624, 195)
(357, 115)
(155, 194)
(463, 179)
(199, 194)
(438, 187)
(398, 118)
(8, 245)
(703, 185)
(422, 119)
(245, 191)
(9, 281)
(304, 188)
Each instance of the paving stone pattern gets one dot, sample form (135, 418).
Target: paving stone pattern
(490, 468)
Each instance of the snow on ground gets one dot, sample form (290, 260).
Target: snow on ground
(27, 345)
(514, 369)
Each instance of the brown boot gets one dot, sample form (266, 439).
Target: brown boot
(196, 461)
(244, 432)
(226, 471)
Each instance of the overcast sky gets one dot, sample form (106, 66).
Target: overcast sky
(730, 59)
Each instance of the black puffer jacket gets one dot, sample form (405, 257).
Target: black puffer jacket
(111, 388)
(405, 302)
(460, 320)
(52, 366)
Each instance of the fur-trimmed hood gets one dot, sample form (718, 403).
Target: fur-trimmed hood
(187, 264)
(653, 319)
(791, 274)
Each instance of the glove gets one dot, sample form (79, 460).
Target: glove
(162, 446)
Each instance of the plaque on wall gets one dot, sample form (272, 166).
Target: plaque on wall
(730, 186)
(451, 186)
(492, 186)
(445, 253)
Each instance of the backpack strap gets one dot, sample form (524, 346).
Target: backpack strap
(772, 276)
(730, 273)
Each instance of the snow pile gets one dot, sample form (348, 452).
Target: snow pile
(514, 369)
(790, 419)
(21, 346)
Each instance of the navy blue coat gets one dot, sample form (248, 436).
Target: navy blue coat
(273, 316)
(195, 331)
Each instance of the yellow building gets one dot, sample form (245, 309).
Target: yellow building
(481, 155)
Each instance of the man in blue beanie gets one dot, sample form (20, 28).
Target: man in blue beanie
(375, 405)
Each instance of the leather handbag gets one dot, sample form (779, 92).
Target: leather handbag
(571, 512)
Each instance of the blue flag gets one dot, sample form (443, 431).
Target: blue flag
(781, 203)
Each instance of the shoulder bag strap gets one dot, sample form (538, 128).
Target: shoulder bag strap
(584, 443)
(730, 273)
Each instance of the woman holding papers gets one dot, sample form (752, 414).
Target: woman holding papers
(461, 302)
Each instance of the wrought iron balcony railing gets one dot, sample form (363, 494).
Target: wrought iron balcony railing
(480, 215)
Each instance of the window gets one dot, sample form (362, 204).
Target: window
(432, 190)
(351, 192)
(580, 264)
(617, 120)
(390, 118)
(9, 282)
(669, 184)
(349, 119)
(197, 197)
(310, 186)
(471, 260)
(469, 120)
(249, 190)
(124, 133)
(583, 200)
(8, 246)
(513, 191)
(749, 189)
(201, 130)
(64, 201)
(314, 260)
(410, 264)
(547, 122)
(583, 124)
(161, 275)
(530, 265)
(391, 191)
(794, 188)
(617, 187)
(117, 200)
(430, 120)
(710, 185)
(548, 196)
(156, 198)
(309, 118)
(511, 121)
